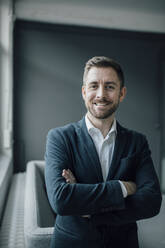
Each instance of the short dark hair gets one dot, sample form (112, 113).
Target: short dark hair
(101, 61)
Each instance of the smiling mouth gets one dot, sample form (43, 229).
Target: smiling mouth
(101, 104)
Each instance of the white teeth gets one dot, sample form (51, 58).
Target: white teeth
(100, 104)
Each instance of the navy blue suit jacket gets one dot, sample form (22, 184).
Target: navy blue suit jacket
(112, 217)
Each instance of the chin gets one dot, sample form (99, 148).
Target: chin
(102, 116)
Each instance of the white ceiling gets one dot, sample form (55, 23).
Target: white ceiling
(136, 15)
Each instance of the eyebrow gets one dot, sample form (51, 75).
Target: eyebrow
(108, 82)
(111, 82)
(93, 82)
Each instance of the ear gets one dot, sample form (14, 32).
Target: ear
(123, 93)
(83, 91)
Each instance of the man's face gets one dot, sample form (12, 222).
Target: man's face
(101, 92)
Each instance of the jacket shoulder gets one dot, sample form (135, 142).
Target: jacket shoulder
(68, 129)
(132, 134)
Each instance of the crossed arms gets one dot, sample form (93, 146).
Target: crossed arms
(70, 178)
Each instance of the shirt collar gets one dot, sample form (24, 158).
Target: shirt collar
(91, 127)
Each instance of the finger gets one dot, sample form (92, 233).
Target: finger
(67, 180)
(65, 174)
(70, 174)
(68, 177)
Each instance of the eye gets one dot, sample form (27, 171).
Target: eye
(93, 86)
(110, 87)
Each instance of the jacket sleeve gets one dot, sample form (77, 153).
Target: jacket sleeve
(75, 199)
(145, 203)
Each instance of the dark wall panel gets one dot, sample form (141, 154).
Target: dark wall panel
(48, 70)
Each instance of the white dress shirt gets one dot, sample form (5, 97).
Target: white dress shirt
(104, 147)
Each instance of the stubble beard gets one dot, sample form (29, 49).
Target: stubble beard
(105, 114)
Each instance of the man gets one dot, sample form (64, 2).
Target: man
(99, 175)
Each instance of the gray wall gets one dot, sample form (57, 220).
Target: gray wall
(48, 69)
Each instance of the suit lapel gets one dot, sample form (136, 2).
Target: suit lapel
(120, 145)
(90, 150)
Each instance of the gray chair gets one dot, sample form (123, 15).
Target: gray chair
(38, 216)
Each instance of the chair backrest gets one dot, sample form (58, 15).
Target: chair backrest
(45, 216)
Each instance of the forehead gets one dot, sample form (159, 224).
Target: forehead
(102, 74)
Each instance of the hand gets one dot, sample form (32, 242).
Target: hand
(130, 187)
(69, 177)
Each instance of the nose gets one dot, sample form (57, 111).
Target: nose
(100, 92)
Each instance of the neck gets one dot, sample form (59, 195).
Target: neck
(103, 124)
